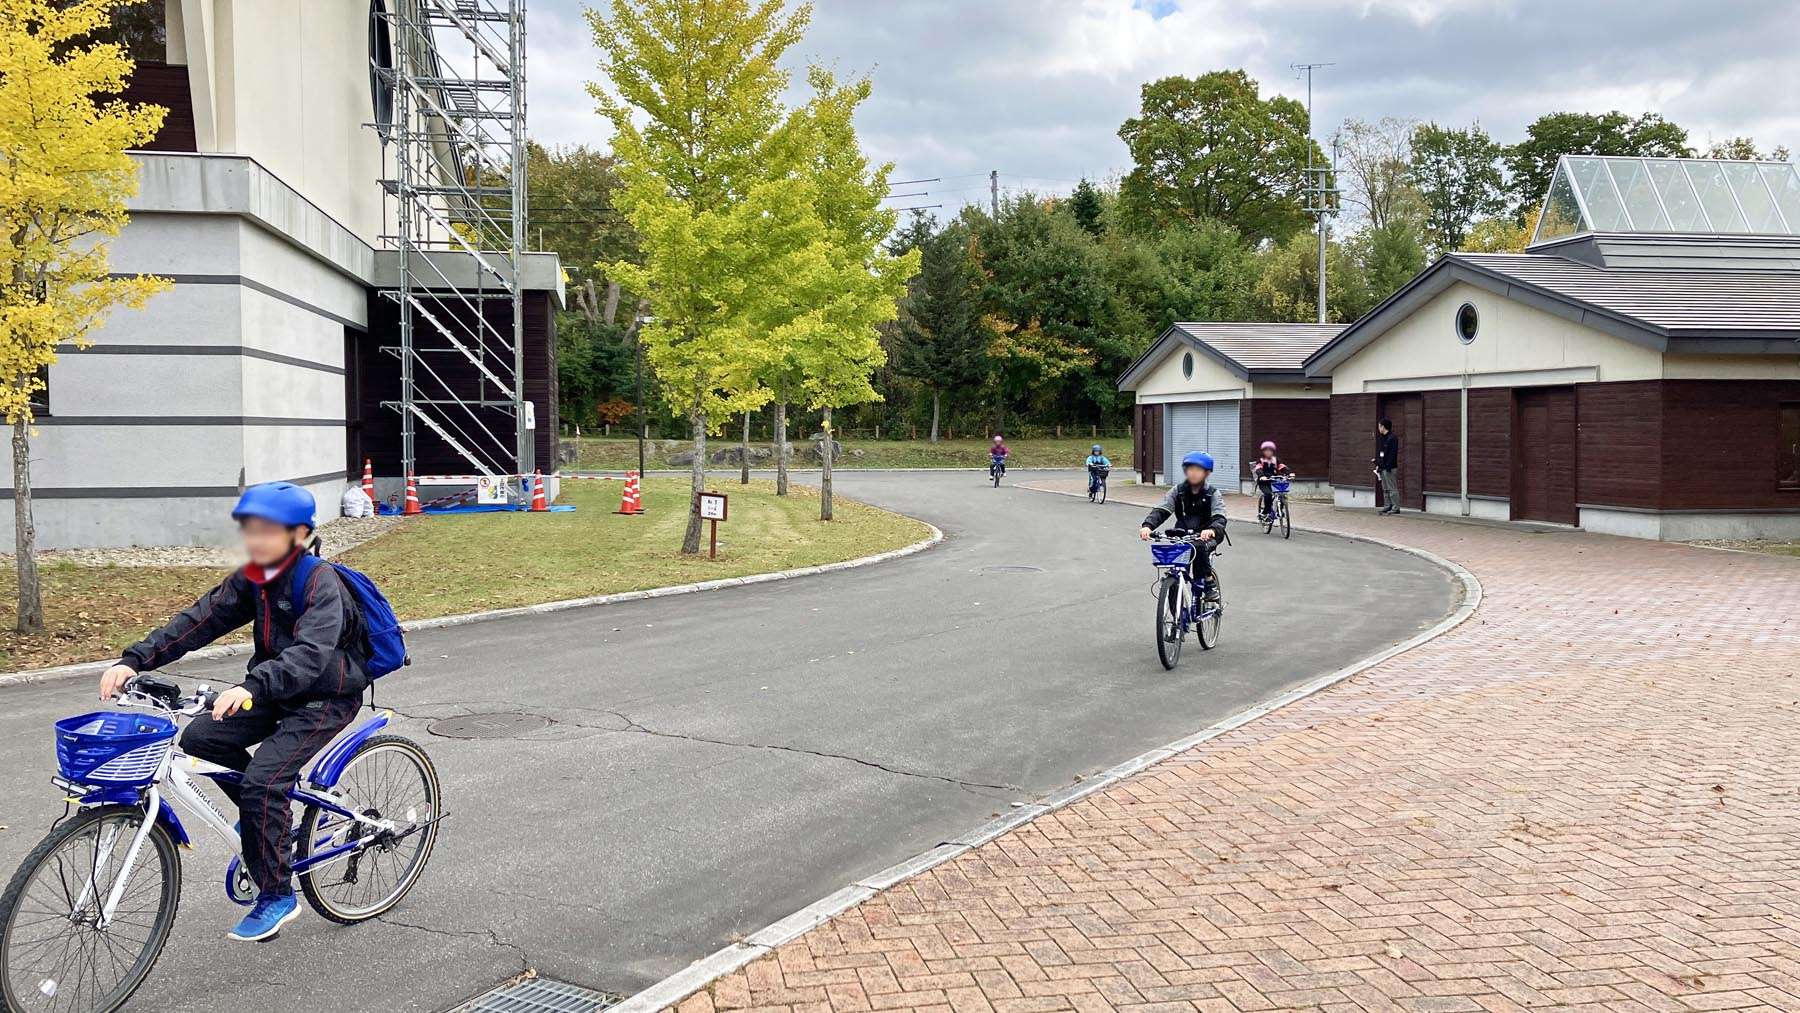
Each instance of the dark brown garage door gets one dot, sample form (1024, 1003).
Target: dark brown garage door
(1407, 413)
(1147, 442)
(1544, 452)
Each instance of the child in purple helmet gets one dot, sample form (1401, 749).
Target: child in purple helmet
(305, 675)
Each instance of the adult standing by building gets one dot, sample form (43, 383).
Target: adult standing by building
(1387, 459)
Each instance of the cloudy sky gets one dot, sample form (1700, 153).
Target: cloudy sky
(1037, 88)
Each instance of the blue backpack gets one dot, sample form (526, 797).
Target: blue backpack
(387, 646)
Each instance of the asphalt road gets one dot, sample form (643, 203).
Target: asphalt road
(717, 761)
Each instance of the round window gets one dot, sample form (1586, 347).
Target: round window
(1187, 365)
(1467, 320)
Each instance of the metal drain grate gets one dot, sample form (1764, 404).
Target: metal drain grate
(539, 995)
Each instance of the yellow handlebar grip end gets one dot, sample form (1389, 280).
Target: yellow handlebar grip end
(247, 704)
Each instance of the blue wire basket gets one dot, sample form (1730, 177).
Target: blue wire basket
(1171, 553)
(113, 748)
(1282, 484)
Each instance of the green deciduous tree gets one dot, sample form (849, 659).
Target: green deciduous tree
(1457, 176)
(693, 97)
(1213, 147)
(1744, 149)
(64, 180)
(1391, 255)
(1287, 287)
(1532, 161)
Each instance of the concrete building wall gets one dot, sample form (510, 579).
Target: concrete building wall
(1515, 345)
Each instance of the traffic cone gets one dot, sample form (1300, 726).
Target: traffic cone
(631, 503)
(368, 482)
(538, 503)
(412, 496)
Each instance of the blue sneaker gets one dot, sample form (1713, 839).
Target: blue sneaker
(266, 917)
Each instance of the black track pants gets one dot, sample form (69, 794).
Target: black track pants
(289, 737)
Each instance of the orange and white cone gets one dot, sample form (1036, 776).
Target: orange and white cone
(368, 482)
(631, 503)
(412, 496)
(538, 503)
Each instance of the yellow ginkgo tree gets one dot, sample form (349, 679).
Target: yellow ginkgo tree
(64, 180)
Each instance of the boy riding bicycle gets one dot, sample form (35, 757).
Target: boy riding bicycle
(997, 455)
(1196, 507)
(1097, 467)
(306, 677)
(1267, 467)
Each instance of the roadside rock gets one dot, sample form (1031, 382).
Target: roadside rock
(735, 455)
(681, 459)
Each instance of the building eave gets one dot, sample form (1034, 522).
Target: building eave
(1159, 348)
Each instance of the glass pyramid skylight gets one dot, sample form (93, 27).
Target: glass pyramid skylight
(1591, 193)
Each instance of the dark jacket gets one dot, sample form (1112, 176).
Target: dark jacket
(1193, 509)
(1387, 451)
(320, 654)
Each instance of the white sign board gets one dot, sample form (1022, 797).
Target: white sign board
(491, 489)
(712, 506)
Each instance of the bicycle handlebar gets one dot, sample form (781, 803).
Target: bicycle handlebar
(163, 695)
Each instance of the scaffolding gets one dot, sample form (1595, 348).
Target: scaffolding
(450, 83)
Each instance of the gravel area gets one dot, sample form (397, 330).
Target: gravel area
(339, 535)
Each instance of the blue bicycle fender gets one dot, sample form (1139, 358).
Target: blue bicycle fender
(165, 814)
(329, 767)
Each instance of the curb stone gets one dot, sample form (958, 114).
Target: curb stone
(41, 675)
(671, 990)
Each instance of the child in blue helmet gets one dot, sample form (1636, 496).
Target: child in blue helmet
(1199, 509)
(305, 676)
(1097, 467)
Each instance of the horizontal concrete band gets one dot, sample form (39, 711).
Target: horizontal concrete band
(185, 350)
(181, 420)
(256, 286)
(158, 492)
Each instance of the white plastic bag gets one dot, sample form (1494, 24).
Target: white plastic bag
(356, 503)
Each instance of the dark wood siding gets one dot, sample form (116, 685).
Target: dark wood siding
(1443, 441)
(1300, 427)
(1490, 441)
(1721, 444)
(1620, 453)
(1352, 440)
(1545, 449)
(380, 381)
(1147, 442)
(166, 85)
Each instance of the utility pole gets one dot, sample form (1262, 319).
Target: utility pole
(1319, 189)
(994, 192)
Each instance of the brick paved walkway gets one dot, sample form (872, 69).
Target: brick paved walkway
(1585, 797)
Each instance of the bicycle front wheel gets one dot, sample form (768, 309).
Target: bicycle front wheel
(388, 778)
(1102, 498)
(55, 956)
(1168, 622)
(1287, 520)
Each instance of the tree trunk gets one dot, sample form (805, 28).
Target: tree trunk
(781, 462)
(31, 598)
(690, 543)
(937, 398)
(825, 470)
(744, 452)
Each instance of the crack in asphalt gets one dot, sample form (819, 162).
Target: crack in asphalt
(634, 726)
(492, 937)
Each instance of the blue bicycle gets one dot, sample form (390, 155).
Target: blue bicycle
(1097, 483)
(88, 912)
(1277, 516)
(1180, 604)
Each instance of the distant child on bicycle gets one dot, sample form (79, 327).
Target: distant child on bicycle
(306, 677)
(1097, 467)
(1267, 467)
(1196, 507)
(998, 454)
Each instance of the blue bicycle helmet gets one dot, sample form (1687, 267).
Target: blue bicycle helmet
(1199, 457)
(281, 502)
(1096, 448)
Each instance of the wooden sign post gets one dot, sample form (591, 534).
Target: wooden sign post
(714, 507)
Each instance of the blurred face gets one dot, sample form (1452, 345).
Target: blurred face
(268, 543)
(1268, 453)
(1382, 430)
(1196, 475)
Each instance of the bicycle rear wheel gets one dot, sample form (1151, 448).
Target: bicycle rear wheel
(54, 956)
(1168, 622)
(388, 777)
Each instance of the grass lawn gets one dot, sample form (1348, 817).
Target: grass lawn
(602, 454)
(443, 565)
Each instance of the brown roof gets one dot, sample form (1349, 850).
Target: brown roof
(1672, 301)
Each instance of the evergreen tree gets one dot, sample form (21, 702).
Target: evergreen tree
(941, 337)
(1086, 206)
